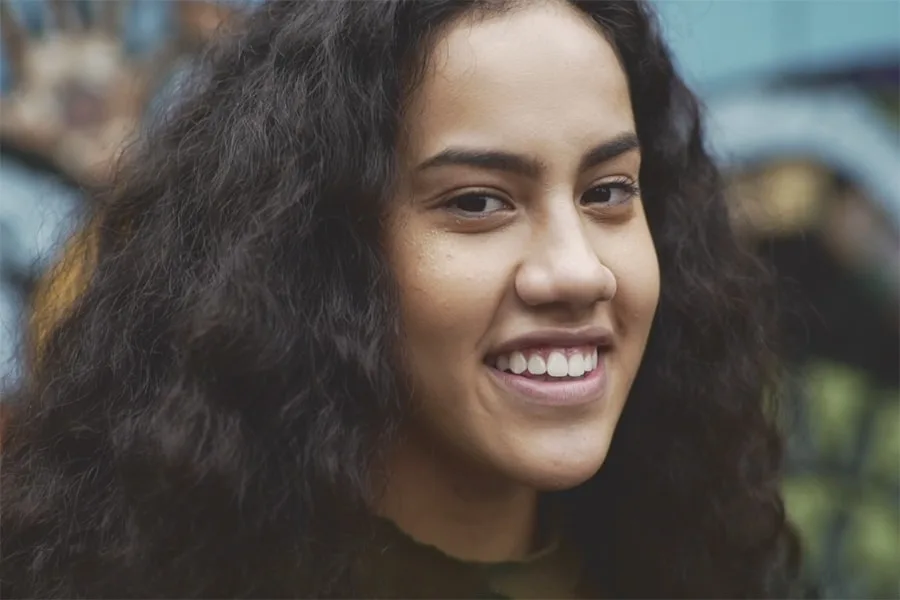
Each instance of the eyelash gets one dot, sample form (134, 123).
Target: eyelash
(624, 184)
(452, 204)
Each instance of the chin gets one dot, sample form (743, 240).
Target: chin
(556, 473)
(559, 481)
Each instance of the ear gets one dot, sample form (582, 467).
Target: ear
(201, 20)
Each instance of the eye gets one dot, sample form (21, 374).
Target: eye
(476, 205)
(611, 193)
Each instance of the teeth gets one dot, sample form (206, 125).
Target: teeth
(576, 365)
(557, 365)
(517, 363)
(590, 361)
(536, 365)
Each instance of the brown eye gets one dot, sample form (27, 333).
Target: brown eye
(476, 204)
(614, 193)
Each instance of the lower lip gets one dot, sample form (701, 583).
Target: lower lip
(567, 392)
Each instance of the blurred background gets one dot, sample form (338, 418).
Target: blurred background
(803, 106)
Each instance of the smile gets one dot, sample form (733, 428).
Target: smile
(561, 376)
(549, 363)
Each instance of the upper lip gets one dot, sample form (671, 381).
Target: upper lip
(591, 336)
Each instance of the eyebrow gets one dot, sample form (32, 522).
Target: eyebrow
(527, 166)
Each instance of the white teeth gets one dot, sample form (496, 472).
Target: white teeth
(557, 365)
(576, 365)
(517, 363)
(590, 361)
(536, 365)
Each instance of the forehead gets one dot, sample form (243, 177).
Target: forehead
(543, 71)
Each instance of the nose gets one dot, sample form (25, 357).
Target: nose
(562, 267)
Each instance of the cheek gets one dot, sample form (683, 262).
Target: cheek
(448, 292)
(635, 265)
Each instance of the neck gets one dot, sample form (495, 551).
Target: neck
(460, 509)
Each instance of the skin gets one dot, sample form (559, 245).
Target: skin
(562, 247)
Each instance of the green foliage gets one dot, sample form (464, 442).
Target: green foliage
(843, 484)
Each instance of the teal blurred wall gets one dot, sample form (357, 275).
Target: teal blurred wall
(719, 42)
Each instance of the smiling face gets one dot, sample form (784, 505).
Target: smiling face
(528, 278)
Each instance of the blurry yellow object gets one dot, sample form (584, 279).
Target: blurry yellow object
(60, 287)
(783, 198)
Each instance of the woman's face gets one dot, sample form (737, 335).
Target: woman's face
(527, 273)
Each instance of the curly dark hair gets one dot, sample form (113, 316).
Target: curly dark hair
(209, 417)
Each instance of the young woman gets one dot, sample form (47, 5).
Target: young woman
(411, 299)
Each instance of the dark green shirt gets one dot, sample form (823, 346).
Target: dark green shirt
(400, 567)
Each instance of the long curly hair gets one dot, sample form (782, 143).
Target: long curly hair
(209, 415)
